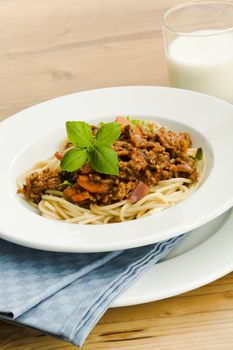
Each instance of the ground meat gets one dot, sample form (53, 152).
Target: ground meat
(146, 154)
(37, 183)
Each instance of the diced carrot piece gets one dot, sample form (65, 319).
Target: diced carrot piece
(69, 192)
(79, 197)
(140, 191)
(90, 186)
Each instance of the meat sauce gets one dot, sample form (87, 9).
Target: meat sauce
(146, 154)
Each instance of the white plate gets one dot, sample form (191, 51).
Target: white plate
(35, 133)
(203, 257)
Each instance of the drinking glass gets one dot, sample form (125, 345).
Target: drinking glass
(198, 37)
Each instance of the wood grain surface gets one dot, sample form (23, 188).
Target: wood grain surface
(49, 48)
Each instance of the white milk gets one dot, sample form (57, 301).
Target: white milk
(203, 63)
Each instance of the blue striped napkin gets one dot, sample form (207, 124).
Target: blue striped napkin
(63, 294)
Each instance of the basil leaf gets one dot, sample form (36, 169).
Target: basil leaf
(108, 134)
(100, 124)
(79, 134)
(104, 160)
(73, 159)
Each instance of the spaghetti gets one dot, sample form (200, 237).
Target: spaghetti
(167, 193)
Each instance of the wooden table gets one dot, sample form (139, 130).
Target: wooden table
(53, 47)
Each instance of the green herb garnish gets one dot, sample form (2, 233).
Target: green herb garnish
(79, 134)
(135, 121)
(97, 151)
(104, 160)
(65, 183)
(74, 159)
(199, 154)
(107, 134)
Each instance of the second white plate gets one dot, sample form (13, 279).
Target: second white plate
(203, 257)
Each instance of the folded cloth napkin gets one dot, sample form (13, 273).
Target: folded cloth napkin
(63, 294)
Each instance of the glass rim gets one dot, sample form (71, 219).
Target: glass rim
(191, 3)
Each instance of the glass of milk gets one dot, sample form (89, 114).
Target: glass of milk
(198, 38)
